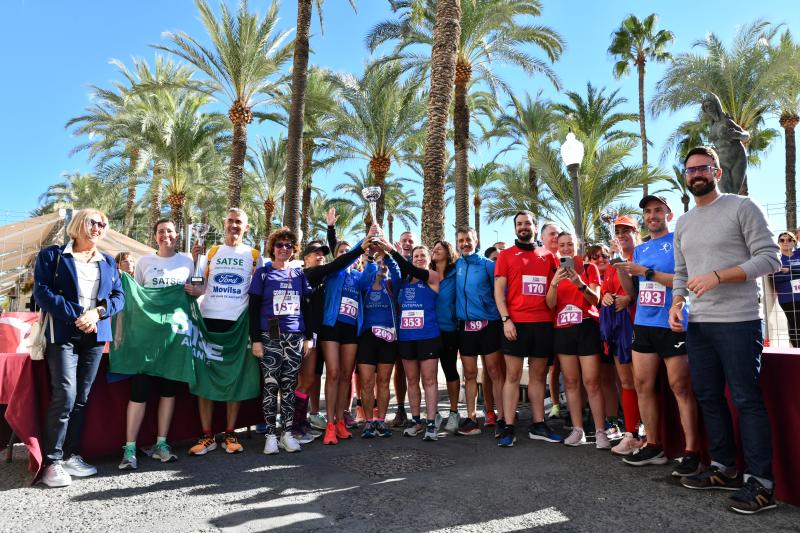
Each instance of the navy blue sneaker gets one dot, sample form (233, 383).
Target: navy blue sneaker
(261, 428)
(752, 498)
(541, 431)
(508, 437)
(498, 428)
(381, 429)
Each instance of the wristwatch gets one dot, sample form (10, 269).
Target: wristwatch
(505, 319)
(101, 311)
(649, 274)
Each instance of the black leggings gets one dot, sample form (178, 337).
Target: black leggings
(792, 310)
(449, 355)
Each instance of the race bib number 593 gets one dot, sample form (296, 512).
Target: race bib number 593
(652, 294)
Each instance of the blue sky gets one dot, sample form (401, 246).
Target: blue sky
(53, 50)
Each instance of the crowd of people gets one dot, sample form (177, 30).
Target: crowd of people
(601, 322)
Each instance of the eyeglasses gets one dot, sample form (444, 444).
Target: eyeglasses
(597, 257)
(96, 223)
(284, 245)
(701, 169)
(786, 240)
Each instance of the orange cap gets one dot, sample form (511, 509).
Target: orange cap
(625, 220)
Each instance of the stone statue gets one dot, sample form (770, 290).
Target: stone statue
(728, 138)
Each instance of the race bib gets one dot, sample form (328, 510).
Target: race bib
(569, 316)
(285, 303)
(386, 334)
(412, 319)
(652, 294)
(795, 286)
(534, 285)
(348, 307)
(475, 325)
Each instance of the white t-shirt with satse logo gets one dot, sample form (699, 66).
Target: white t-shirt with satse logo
(153, 271)
(230, 270)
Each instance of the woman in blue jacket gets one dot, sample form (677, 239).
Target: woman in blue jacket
(787, 284)
(79, 288)
(444, 262)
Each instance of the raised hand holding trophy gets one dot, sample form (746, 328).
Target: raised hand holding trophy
(199, 231)
(371, 195)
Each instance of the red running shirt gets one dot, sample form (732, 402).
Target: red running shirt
(571, 306)
(528, 275)
(612, 285)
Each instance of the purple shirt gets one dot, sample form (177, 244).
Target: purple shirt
(282, 292)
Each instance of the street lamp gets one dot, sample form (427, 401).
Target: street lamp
(572, 154)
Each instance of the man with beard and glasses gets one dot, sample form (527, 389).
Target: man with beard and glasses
(522, 277)
(722, 246)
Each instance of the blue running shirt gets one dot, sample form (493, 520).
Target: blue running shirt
(654, 300)
(379, 313)
(348, 308)
(417, 311)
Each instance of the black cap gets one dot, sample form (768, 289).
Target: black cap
(315, 246)
(654, 197)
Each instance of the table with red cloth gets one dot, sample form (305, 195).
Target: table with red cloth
(25, 393)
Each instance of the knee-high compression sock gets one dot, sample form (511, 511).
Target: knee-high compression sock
(630, 409)
(300, 408)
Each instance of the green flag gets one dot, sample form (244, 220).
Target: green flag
(161, 333)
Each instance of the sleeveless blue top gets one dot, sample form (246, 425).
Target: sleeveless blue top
(348, 308)
(417, 311)
(378, 308)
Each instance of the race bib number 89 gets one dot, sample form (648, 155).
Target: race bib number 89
(412, 319)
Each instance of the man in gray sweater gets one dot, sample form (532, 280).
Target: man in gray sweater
(722, 246)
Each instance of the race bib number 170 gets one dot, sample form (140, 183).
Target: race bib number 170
(533, 285)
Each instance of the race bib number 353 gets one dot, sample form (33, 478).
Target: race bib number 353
(652, 294)
(412, 319)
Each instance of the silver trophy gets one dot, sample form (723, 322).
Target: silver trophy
(371, 195)
(199, 231)
(608, 216)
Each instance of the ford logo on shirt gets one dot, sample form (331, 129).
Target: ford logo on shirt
(228, 279)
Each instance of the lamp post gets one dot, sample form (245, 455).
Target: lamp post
(572, 154)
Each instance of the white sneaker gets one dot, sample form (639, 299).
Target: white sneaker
(288, 442)
(56, 476)
(271, 445)
(75, 466)
(452, 422)
(302, 437)
(602, 441)
(627, 446)
(576, 438)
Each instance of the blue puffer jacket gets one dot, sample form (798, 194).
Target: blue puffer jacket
(333, 292)
(475, 289)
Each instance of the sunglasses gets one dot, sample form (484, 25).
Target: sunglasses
(96, 223)
(284, 245)
(786, 240)
(701, 169)
(597, 257)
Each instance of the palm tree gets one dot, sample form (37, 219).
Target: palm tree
(634, 43)
(80, 191)
(295, 175)
(269, 174)
(746, 76)
(514, 193)
(243, 65)
(677, 183)
(401, 206)
(480, 180)
(490, 33)
(379, 119)
(789, 117)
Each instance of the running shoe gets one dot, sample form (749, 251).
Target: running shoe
(317, 421)
(712, 478)
(369, 431)
(646, 455)
(306, 428)
(452, 422)
(469, 427)
(162, 452)
(498, 428)
(612, 431)
(627, 446)
(437, 421)
(601, 441)
(752, 498)
(129, 461)
(302, 437)
(430, 432)
(261, 429)
(576, 437)
(271, 445)
(55, 475)
(349, 421)
(75, 466)
(360, 418)
(688, 465)
(341, 430)
(205, 444)
(413, 429)
(382, 430)
(289, 443)
(400, 418)
(330, 435)
(541, 431)
(555, 411)
(491, 419)
(508, 438)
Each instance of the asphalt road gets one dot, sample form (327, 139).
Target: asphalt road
(395, 484)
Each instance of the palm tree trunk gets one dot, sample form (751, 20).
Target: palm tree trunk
(476, 202)
(685, 201)
(533, 181)
(236, 167)
(306, 200)
(269, 210)
(176, 200)
(446, 33)
(461, 143)
(390, 222)
(130, 204)
(294, 141)
(789, 122)
(155, 201)
(640, 64)
(379, 166)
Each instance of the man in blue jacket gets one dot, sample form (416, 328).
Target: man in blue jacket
(480, 331)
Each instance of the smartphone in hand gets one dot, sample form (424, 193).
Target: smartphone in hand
(568, 262)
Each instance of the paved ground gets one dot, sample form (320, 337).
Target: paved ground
(396, 484)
